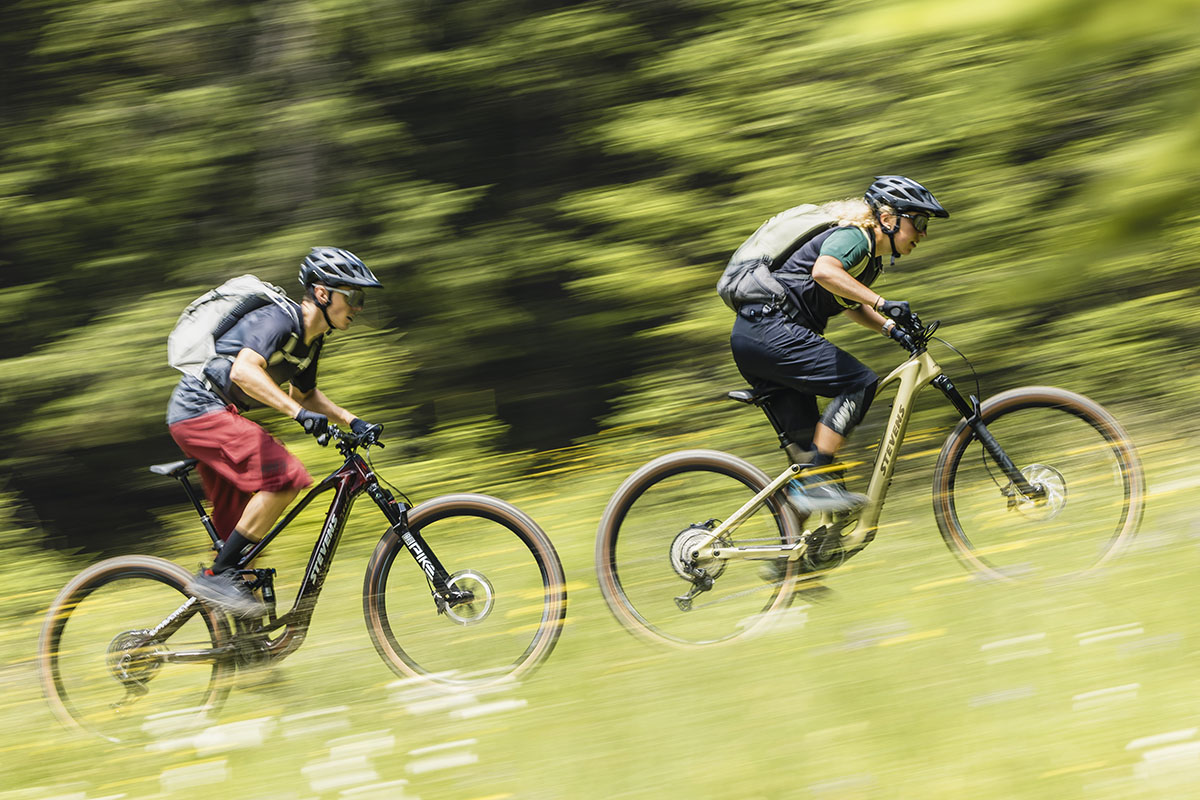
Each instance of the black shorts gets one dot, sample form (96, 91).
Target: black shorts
(771, 350)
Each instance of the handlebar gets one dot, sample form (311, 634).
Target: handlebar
(347, 441)
(919, 333)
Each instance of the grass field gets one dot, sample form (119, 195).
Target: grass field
(904, 678)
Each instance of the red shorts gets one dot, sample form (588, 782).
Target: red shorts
(237, 458)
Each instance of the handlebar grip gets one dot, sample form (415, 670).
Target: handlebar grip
(323, 439)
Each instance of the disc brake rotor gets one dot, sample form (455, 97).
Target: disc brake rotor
(484, 597)
(1054, 493)
(688, 541)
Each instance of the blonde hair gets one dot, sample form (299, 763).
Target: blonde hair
(854, 211)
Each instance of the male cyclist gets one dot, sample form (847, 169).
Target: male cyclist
(831, 274)
(248, 475)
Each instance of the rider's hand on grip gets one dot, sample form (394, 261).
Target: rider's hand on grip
(903, 337)
(312, 422)
(897, 311)
(366, 432)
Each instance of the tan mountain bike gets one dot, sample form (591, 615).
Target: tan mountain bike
(1034, 481)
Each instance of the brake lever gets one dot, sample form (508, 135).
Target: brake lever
(332, 432)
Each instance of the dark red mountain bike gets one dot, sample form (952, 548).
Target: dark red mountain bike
(479, 599)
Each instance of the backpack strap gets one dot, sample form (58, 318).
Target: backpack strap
(857, 269)
(287, 351)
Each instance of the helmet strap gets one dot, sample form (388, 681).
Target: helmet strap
(323, 306)
(891, 234)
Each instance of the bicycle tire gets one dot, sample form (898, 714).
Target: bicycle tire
(503, 636)
(125, 585)
(638, 538)
(1074, 447)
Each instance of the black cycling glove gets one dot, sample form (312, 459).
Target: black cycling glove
(897, 311)
(903, 337)
(365, 430)
(312, 422)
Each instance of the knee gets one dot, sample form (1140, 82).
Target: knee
(845, 411)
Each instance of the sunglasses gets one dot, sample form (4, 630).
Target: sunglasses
(355, 297)
(920, 222)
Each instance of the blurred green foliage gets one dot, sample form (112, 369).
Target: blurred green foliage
(549, 191)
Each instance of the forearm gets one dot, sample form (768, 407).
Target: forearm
(867, 317)
(829, 273)
(318, 402)
(255, 382)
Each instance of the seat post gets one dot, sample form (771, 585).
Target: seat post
(795, 453)
(205, 520)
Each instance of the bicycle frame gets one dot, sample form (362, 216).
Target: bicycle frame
(917, 372)
(347, 482)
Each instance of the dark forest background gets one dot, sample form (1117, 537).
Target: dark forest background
(549, 191)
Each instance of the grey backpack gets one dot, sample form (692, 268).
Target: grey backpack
(747, 277)
(192, 344)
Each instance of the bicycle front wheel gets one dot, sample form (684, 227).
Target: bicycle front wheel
(657, 518)
(125, 653)
(1075, 452)
(498, 554)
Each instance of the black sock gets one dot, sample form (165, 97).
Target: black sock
(822, 459)
(230, 552)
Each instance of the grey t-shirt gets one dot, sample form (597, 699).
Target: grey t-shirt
(268, 331)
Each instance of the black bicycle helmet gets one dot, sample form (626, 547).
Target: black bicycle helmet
(333, 266)
(904, 195)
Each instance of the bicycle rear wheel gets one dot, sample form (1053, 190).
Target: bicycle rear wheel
(656, 518)
(491, 549)
(105, 671)
(1061, 442)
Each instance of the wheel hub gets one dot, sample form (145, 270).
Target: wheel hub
(1053, 498)
(132, 658)
(689, 540)
(483, 597)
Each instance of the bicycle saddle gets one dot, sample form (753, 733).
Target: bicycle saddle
(175, 469)
(753, 396)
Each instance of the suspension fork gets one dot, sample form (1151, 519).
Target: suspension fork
(970, 412)
(418, 548)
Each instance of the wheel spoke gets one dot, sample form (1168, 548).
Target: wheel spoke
(507, 598)
(1088, 481)
(648, 536)
(104, 667)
